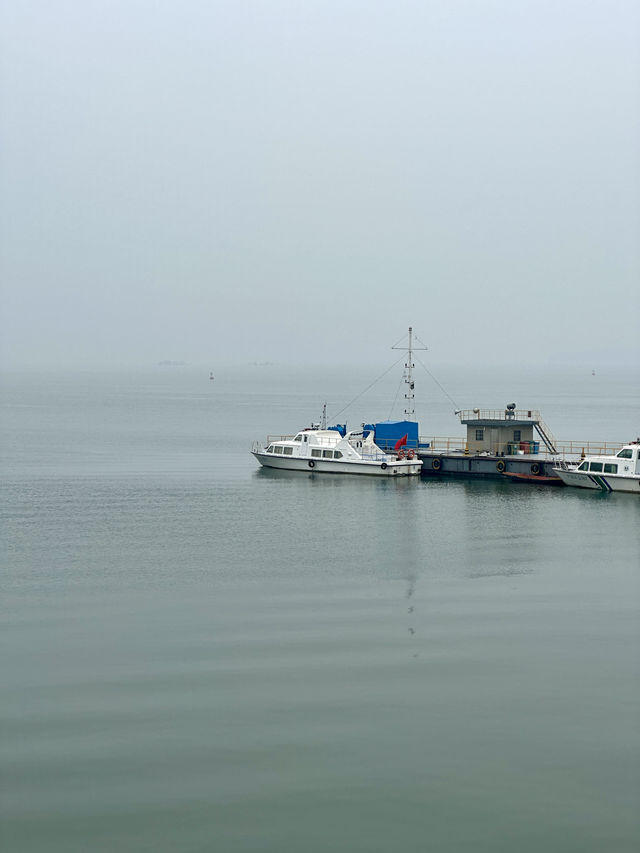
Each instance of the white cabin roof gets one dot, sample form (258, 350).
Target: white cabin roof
(634, 448)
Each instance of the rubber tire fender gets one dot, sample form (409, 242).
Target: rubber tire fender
(500, 465)
(312, 464)
(535, 468)
(384, 466)
(436, 464)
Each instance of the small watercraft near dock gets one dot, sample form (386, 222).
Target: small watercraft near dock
(532, 479)
(326, 451)
(617, 473)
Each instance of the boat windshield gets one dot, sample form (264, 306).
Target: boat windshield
(584, 466)
(625, 453)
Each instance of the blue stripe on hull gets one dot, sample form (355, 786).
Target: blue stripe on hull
(601, 483)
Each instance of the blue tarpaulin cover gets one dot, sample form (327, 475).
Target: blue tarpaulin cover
(388, 432)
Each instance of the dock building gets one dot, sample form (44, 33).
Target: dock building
(511, 432)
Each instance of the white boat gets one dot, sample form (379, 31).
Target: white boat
(619, 473)
(326, 451)
(331, 451)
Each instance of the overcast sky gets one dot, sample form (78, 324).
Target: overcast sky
(300, 181)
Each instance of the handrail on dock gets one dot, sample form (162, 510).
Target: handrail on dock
(444, 444)
(500, 414)
(457, 444)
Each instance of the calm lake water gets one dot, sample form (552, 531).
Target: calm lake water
(201, 655)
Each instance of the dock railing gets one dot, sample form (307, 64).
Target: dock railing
(449, 444)
(441, 444)
(587, 448)
(569, 449)
(500, 414)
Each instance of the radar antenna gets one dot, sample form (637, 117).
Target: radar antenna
(409, 411)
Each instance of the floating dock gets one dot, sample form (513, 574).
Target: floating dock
(511, 444)
(499, 443)
(527, 468)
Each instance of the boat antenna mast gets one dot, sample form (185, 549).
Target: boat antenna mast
(409, 408)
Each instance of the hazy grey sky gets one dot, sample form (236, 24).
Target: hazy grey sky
(216, 181)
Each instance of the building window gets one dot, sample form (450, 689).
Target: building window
(479, 435)
(516, 435)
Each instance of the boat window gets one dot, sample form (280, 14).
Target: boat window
(288, 451)
(316, 451)
(337, 454)
(610, 468)
(625, 453)
(596, 466)
(479, 435)
(583, 467)
(277, 449)
(327, 454)
(298, 437)
(516, 434)
(270, 448)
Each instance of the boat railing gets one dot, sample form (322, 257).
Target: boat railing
(318, 440)
(564, 464)
(372, 456)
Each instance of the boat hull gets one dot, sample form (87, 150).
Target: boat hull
(599, 482)
(399, 468)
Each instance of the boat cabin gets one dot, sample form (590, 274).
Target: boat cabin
(626, 462)
(316, 444)
(327, 444)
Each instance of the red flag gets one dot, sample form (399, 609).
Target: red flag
(400, 442)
